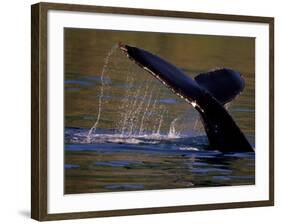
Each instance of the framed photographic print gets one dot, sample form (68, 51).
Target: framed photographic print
(138, 111)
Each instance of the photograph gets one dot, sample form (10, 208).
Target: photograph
(154, 110)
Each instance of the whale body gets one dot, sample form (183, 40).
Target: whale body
(207, 93)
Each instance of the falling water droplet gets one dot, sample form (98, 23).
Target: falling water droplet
(106, 61)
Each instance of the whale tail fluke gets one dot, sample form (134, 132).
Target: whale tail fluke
(224, 84)
(208, 92)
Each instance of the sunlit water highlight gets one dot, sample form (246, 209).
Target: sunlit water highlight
(141, 136)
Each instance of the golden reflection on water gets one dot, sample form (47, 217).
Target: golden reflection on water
(104, 169)
(85, 51)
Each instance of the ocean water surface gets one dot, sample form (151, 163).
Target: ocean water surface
(125, 131)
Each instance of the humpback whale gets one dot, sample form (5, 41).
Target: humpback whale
(207, 93)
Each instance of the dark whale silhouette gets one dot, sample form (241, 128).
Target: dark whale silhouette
(207, 93)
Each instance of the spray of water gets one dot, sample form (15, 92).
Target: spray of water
(136, 112)
(161, 119)
(145, 113)
(106, 61)
(140, 113)
(172, 132)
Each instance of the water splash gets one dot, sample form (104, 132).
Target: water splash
(135, 106)
(106, 61)
(160, 121)
(172, 132)
(141, 109)
(135, 115)
(144, 115)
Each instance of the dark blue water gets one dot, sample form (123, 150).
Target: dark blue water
(111, 162)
